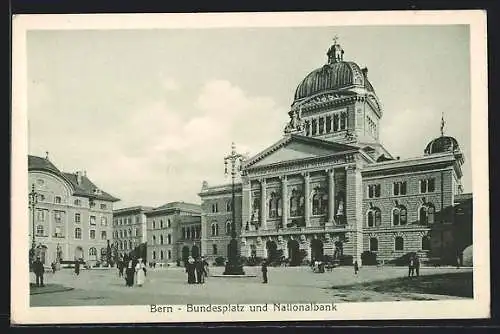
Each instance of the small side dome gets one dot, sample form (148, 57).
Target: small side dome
(441, 145)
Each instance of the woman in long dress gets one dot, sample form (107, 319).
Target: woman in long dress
(190, 269)
(140, 270)
(129, 274)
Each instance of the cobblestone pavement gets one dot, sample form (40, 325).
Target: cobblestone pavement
(169, 286)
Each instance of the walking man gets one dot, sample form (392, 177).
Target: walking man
(356, 267)
(38, 270)
(417, 265)
(77, 267)
(411, 267)
(264, 272)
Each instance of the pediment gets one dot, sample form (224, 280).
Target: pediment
(296, 147)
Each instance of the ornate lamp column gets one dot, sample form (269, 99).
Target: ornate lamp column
(233, 266)
(33, 200)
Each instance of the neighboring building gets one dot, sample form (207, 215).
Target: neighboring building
(174, 232)
(329, 187)
(129, 228)
(216, 219)
(72, 217)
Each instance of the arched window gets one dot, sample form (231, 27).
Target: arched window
(57, 199)
(92, 251)
(154, 240)
(154, 255)
(169, 239)
(399, 243)
(426, 214)
(169, 254)
(121, 245)
(256, 208)
(161, 255)
(228, 227)
(130, 245)
(161, 223)
(229, 206)
(371, 218)
(426, 243)
(214, 208)
(373, 244)
(154, 224)
(129, 232)
(161, 239)
(399, 215)
(316, 204)
(215, 229)
(169, 223)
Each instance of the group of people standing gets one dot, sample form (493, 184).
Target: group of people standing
(131, 270)
(197, 270)
(414, 266)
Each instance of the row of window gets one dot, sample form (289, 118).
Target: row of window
(169, 224)
(190, 233)
(126, 233)
(229, 207)
(126, 245)
(59, 217)
(400, 188)
(399, 215)
(161, 240)
(40, 232)
(77, 201)
(125, 221)
(399, 244)
(328, 124)
(162, 255)
(215, 229)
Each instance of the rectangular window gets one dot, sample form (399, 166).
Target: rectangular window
(399, 188)
(104, 235)
(92, 234)
(427, 185)
(374, 190)
(77, 217)
(40, 215)
(58, 217)
(78, 202)
(57, 199)
(78, 233)
(104, 221)
(58, 232)
(103, 206)
(92, 220)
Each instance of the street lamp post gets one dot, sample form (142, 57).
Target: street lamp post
(233, 265)
(33, 200)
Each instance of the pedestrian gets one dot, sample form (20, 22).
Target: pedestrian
(129, 274)
(77, 267)
(199, 271)
(53, 266)
(411, 267)
(190, 269)
(39, 270)
(356, 267)
(205, 267)
(140, 270)
(458, 261)
(417, 265)
(264, 272)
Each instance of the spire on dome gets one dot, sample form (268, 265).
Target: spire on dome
(442, 124)
(335, 53)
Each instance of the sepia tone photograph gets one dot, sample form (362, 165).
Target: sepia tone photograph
(238, 169)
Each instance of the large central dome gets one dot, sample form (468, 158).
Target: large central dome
(336, 75)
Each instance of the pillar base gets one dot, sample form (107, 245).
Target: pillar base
(233, 265)
(329, 223)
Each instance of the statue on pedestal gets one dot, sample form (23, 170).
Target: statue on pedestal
(296, 123)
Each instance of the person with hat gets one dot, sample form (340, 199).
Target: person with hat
(190, 269)
(39, 270)
(140, 270)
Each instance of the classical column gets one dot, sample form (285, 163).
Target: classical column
(309, 125)
(246, 202)
(307, 200)
(263, 211)
(317, 126)
(284, 201)
(331, 197)
(332, 129)
(324, 125)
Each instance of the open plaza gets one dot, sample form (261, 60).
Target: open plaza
(286, 285)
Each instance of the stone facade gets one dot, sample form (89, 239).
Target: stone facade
(329, 187)
(73, 217)
(170, 229)
(129, 228)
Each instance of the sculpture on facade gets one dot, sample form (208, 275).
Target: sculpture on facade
(296, 123)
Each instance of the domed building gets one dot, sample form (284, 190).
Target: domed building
(329, 190)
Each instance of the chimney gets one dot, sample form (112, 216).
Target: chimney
(78, 177)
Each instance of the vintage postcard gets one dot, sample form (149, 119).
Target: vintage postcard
(249, 167)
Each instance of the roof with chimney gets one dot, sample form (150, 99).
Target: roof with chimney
(81, 184)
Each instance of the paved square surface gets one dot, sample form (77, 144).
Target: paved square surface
(169, 286)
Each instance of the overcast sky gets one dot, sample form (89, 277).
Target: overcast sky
(150, 114)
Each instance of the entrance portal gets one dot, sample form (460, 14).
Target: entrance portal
(293, 252)
(316, 250)
(195, 251)
(272, 251)
(78, 253)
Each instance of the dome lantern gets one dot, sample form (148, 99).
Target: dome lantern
(335, 53)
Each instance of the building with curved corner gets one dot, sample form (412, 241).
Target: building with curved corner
(73, 216)
(330, 187)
